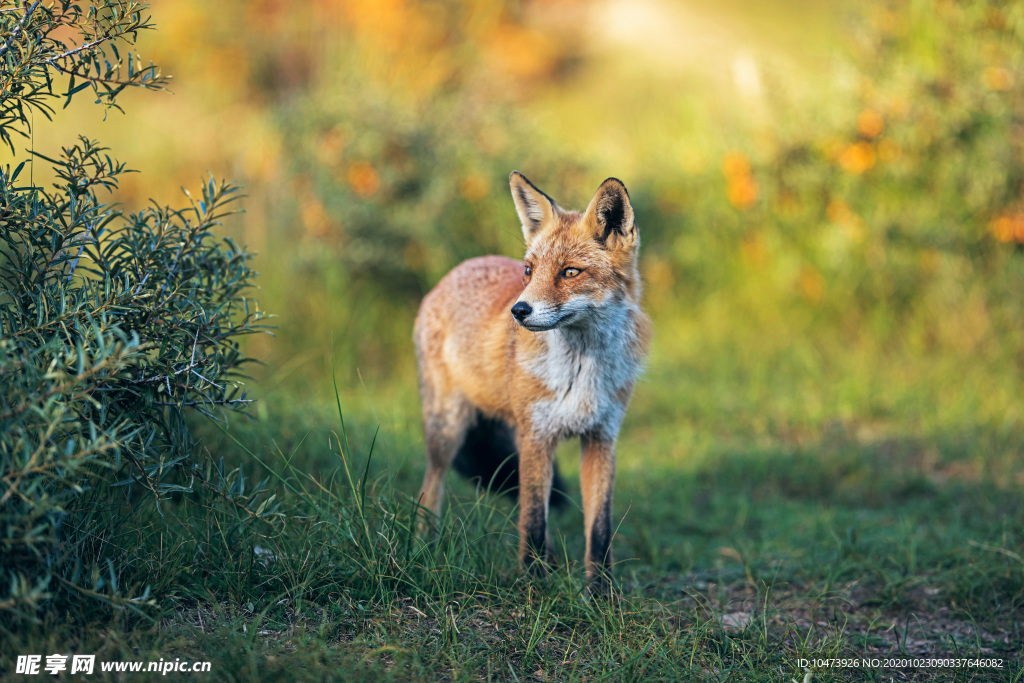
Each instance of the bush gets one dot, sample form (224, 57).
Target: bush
(113, 327)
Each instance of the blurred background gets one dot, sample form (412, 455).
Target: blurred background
(829, 194)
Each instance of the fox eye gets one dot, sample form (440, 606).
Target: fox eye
(527, 271)
(571, 272)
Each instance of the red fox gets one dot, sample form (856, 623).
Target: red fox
(514, 357)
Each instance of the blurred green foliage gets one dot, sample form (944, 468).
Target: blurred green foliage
(867, 203)
(893, 215)
(888, 220)
(390, 195)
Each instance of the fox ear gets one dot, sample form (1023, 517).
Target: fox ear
(534, 207)
(610, 216)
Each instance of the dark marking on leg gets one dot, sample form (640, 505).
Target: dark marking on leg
(535, 532)
(601, 541)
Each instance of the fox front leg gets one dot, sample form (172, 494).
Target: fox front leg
(597, 481)
(536, 472)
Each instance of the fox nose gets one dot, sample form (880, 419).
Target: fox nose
(521, 310)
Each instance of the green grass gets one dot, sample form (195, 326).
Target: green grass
(751, 532)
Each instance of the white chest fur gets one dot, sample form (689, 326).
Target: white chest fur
(585, 369)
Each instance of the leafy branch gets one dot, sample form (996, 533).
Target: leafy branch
(41, 42)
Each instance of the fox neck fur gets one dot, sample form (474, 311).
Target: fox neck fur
(586, 368)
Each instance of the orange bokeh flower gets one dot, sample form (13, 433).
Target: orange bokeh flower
(314, 217)
(742, 192)
(735, 164)
(812, 284)
(1008, 228)
(997, 78)
(870, 124)
(363, 179)
(742, 189)
(841, 215)
(858, 158)
(520, 51)
(838, 211)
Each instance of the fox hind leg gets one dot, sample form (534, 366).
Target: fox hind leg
(446, 419)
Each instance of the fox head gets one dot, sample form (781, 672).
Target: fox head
(578, 266)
